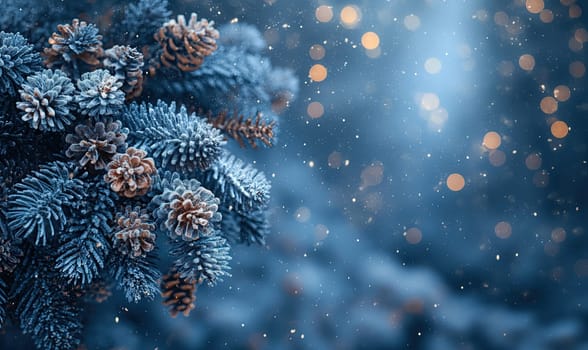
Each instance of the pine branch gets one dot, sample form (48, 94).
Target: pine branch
(177, 140)
(205, 259)
(40, 202)
(237, 184)
(137, 277)
(248, 227)
(45, 310)
(250, 130)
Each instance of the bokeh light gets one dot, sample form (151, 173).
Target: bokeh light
(527, 62)
(318, 73)
(430, 101)
(492, 140)
(503, 230)
(370, 40)
(315, 110)
(533, 161)
(350, 16)
(497, 158)
(577, 69)
(317, 52)
(559, 129)
(324, 13)
(455, 182)
(548, 105)
(413, 235)
(412, 22)
(433, 65)
(535, 6)
(561, 93)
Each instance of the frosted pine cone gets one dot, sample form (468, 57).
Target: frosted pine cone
(185, 45)
(129, 174)
(100, 94)
(134, 234)
(77, 40)
(46, 99)
(188, 209)
(125, 63)
(95, 146)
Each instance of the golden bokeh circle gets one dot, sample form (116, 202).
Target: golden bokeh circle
(350, 16)
(548, 105)
(527, 62)
(561, 93)
(559, 129)
(370, 40)
(318, 73)
(455, 182)
(492, 140)
(535, 6)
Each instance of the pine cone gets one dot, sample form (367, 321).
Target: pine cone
(95, 146)
(133, 235)
(178, 293)
(10, 255)
(129, 174)
(46, 99)
(77, 40)
(100, 94)
(186, 45)
(125, 63)
(188, 209)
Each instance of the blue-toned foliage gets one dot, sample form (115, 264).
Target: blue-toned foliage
(17, 61)
(229, 79)
(3, 301)
(177, 140)
(143, 19)
(85, 245)
(39, 204)
(99, 94)
(249, 227)
(186, 210)
(46, 311)
(205, 259)
(137, 277)
(10, 253)
(237, 184)
(56, 204)
(83, 256)
(46, 100)
(243, 35)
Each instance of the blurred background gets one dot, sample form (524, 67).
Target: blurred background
(429, 185)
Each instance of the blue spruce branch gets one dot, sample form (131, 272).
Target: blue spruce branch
(177, 140)
(39, 204)
(202, 260)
